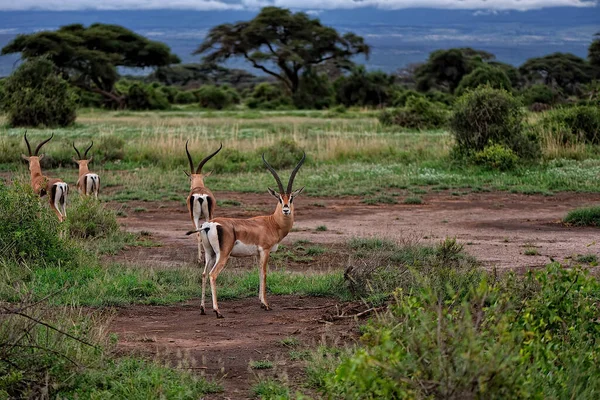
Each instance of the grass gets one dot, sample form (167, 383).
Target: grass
(588, 216)
(531, 251)
(321, 228)
(591, 259)
(261, 364)
(413, 200)
(380, 199)
(290, 342)
(269, 388)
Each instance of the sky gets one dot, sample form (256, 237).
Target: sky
(213, 5)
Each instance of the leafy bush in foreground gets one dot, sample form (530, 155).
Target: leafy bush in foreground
(88, 218)
(497, 156)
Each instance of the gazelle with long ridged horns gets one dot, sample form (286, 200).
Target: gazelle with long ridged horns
(259, 236)
(57, 189)
(200, 202)
(88, 183)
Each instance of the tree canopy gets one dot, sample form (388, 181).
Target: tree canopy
(89, 57)
(281, 43)
(561, 70)
(594, 51)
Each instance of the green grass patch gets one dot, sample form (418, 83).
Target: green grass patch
(588, 216)
(270, 389)
(591, 259)
(261, 364)
(413, 200)
(321, 228)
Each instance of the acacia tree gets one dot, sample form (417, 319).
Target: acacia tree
(594, 51)
(561, 70)
(89, 57)
(281, 43)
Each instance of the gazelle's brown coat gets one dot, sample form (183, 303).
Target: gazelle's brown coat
(201, 202)
(88, 183)
(56, 189)
(231, 237)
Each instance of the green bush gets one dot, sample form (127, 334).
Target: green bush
(185, 97)
(493, 340)
(486, 116)
(267, 96)
(314, 93)
(30, 232)
(144, 97)
(169, 92)
(579, 123)
(364, 89)
(587, 216)
(418, 113)
(401, 97)
(110, 148)
(539, 93)
(283, 154)
(497, 156)
(88, 218)
(484, 75)
(213, 97)
(35, 95)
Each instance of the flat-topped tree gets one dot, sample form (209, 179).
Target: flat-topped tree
(281, 43)
(88, 57)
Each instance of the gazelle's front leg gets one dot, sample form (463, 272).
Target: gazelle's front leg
(262, 292)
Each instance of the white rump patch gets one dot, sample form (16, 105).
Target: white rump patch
(93, 181)
(200, 211)
(241, 249)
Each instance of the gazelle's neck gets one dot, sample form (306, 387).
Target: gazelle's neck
(83, 170)
(283, 222)
(197, 181)
(35, 170)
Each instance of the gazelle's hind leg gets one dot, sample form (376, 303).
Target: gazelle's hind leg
(262, 292)
(209, 262)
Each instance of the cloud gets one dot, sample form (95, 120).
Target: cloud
(313, 5)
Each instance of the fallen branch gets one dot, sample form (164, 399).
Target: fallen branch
(310, 308)
(360, 314)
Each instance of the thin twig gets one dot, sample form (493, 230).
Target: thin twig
(309, 308)
(360, 314)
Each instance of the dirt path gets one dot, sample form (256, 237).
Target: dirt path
(495, 227)
(225, 348)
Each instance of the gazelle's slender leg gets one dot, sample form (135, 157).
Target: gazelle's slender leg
(262, 293)
(209, 262)
(222, 258)
(200, 247)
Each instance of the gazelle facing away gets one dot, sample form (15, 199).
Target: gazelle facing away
(259, 236)
(42, 185)
(88, 183)
(200, 202)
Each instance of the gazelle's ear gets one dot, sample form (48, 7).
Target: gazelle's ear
(75, 160)
(90, 159)
(24, 157)
(187, 173)
(206, 175)
(41, 156)
(274, 193)
(296, 192)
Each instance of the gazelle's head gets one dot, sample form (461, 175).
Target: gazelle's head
(34, 159)
(285, 197)
(84, 161)
(196, 176)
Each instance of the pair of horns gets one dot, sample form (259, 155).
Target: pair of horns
(204, 161)
(86, 151)
(39, 146)
(292, 176)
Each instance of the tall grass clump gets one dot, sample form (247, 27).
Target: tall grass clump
(490, 339)
(88, 218)
(587, 216)
(487, 117)
(417, 113)
(575, 124)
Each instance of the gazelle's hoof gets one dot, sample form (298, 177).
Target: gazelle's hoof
(219, 315)
(265, 307)
(202, 310)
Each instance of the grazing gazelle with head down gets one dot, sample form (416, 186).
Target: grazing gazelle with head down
(259, 236)
(57, 189)
(200, 202)
(87, 183)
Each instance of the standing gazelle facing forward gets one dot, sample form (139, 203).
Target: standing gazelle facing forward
(259, 236)
(87, 183)
(200, 202)
(57, 189)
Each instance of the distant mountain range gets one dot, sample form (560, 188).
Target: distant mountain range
(397, 37)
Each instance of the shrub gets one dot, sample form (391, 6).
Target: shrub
(110, 148)
(88, 218)
(497, 156)
(486, 116)
(213, 97)
(579, 123)
(362, 88)
(539, 94)
(35, 95)
(419, 113)
(400, 97)
(587, 216)
(484, 75)
(268, 97)
(169, 92)
(315, 92)
(143, 97)
(185, 97)
(283, 154)
(29, 231)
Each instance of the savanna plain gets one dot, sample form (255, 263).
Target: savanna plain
(406, 275)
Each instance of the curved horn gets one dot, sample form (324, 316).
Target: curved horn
(189, 157)
(78, 155)
(293, 175)
(88, 149)
(274, 174)
(28, 146)
(199, 169)
(41, 144)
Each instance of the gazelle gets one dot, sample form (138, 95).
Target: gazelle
(42, 185)
(88, 183)
(200, 202)
(259, 236)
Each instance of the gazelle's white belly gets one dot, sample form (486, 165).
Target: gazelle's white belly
(241, 249)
